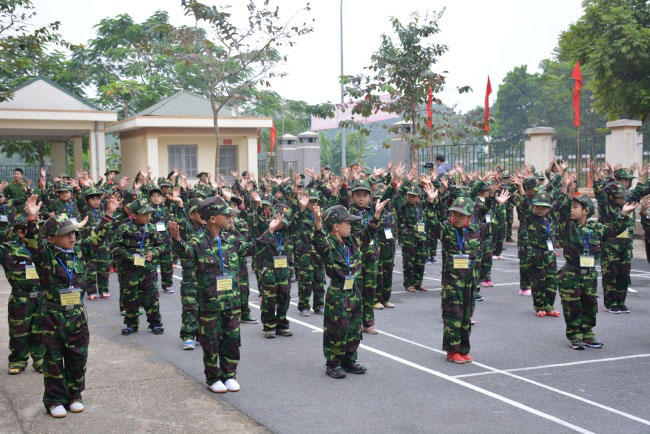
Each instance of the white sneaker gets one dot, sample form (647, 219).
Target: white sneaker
(76, 407)
(631, 291)
(188, 344)
(58, 411)
(232, 385)
(219, 387)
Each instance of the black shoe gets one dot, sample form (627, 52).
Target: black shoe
(614, 309)
(319, 311)
(304, 312)
(269, 335)
(479, 297)
(353, 368)
(577, 345)
(157, 330)
(592, 343)
(335, 371)
(284, 332)
(434, 260)
(509, 240)
(129, 330)
(168, 290)
(623, 309)
(247, 319)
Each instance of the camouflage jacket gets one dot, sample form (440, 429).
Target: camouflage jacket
(301, 225)
(366, 214)
(15, 258)
(70, 208)
(131, 239)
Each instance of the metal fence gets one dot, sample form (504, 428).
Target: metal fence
(478, 156)
(266, 162)
(31, 172)
(592, 148)
(646, 148)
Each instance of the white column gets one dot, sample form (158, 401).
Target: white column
(77, 153)
(624, 145)
(97, 151)
(58, 159)
(152, 155)
(540, 148)
(252, 154)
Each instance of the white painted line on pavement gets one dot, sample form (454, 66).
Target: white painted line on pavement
(556, 365)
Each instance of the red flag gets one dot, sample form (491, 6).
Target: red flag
(488, 91)
(577, 76)
(259, 143)
(272, 137)
(429, 103)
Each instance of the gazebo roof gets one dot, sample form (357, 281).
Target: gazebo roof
(183, 103)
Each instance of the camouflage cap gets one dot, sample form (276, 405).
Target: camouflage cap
(65, 176)
(115, 171)
(215, 205)
(62, 187)
(198, 175)
(58, 225)
(267, 199)
(280, 208)
(530, 183)
(463, 205)
(238, 200)
(313, 194)
(165, 183)
(482, 186)
(457, 191)
(361, 184)
(338, 214)
(543, 199)
(93, 191)
(20, 221)
(155, 190)
(129, 195)
(506, 175)
(200, 194)
(413, 189)
(194, 204)
(586, 202)
(141, 206)
(615, 189)
(379, 191)
(623, 174)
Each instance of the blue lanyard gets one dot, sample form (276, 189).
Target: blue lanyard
(278, 243)
(586, 244)
(159, 214)
(365, 218)
(417, 210)
(346, 256)
(548, 229)
(223, 271)
(96, 214)
(387, 219)
(68, 207)
(24, 248)
(69, 271)
(312, 216)
(144, 235)
(461, 239)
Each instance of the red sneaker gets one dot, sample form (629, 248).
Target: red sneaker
(541, 313)
(455, 358)
(553, 313)
(106, 295)
(93, 297)
(112, 269)
(467, 358)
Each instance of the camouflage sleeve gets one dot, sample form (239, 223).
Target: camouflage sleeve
(99, 233)
(641, 189)
(564, 222)
(318, 239)
(611, 230)
(117, 251)
(185, 252)
(34, 243)
(431, 213)
(344, 195)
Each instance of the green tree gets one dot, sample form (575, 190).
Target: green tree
(612, 41)
(356, 149)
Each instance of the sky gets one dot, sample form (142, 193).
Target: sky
(484, 37)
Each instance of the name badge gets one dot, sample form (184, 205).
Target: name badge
(587, 261)
(280, 261)
(461, 262)
(349, 282)
(488, 218)
(371, 243)
(160, 227)
(624, 234)
(138, 260)
(224, 282)
(73, 220)
(549, 245)
(70, 296)
(3, 219)
(420, 227)
(30, 272)
(389, 233)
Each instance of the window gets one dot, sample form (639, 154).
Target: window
(185, 156)
(227, 160)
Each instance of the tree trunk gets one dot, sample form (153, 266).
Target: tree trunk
(215, 118)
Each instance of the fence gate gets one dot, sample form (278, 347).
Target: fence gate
(591, 148)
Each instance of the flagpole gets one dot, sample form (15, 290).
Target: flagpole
(579, 159)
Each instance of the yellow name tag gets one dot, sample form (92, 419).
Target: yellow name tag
(138, 260)
(349, 282)
(461, 262)
(224, 283)
(624, 234)
(70, 297)
(587, 261)
(420, 227)
(30, 272)
(279, 262)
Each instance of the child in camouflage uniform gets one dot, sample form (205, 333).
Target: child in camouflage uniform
(99, 265)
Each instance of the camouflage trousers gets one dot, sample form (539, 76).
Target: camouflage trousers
(244, 287)
(616, 263)
(579, 301)
(524, 265)
(543, 278)
(385, 270)
(166, 268)
(458, 304)
(275, 290)
(220, 340)
(414, 254)
(25, 332)
(342, 325)
(368, 280)
(432, 242)
(509, 219)
(311, 279)
(66, 339)
(98, 270)
(485, 270)
(141, 290)
(497, 240)
(189, 311)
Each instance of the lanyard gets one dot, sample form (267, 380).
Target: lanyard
(144, 235)
(365, 217)
(96, 214)
(387, 219)
(159, 214)
(278, 242)
(68, 207)
(24, 248)
(69, 271)
(461, 239)
(346, 256)
(417, 211)
(223, 271)
(586, 244)
(312, 216)
(548, 228)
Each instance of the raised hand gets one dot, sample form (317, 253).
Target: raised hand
(629, 207)
(31, 207)
(633, 168)
(303, 200)
(645, 204)
(274, 224)
(174, 230)
(83, 222)
(318, 218)
(643, 170)
(379, 207)
(42, 172)
(113, 204)
(227, 195)
(503, 197)
(255, 198)
(431, 192)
